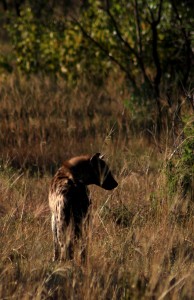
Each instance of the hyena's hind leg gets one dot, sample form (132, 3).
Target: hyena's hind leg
(60, 245)
(85, 238)
(64, 231)
(55, 238)
(62, 234)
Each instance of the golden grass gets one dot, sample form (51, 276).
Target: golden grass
(140, 243)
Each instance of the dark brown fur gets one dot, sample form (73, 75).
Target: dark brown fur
(69, 201)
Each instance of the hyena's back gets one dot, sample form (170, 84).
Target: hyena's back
(69, 196)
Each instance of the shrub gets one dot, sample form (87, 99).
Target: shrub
(180, 168)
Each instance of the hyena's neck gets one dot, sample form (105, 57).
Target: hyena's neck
(80, 169)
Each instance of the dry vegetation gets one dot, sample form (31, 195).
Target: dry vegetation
(140, 243)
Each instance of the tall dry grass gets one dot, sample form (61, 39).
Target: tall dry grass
(140, 243)
(43, 122)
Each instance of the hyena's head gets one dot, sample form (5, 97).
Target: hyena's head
(101, 172)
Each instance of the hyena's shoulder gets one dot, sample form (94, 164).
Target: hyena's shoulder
(61, 181)
(60, 185)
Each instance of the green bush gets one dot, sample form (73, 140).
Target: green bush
(180, 168)
(41, 46)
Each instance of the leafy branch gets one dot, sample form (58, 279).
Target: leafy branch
(105, 51)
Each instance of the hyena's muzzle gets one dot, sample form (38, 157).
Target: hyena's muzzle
(104, 177)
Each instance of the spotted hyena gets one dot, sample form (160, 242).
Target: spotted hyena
(69, 201)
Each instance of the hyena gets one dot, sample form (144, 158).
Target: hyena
(69, 200)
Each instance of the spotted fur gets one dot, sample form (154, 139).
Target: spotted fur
(69, 200)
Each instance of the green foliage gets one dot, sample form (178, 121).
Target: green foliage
(26, 41)
(39, 47)
(180, 168)
(5, 63)
(36, 40)
(44, 47)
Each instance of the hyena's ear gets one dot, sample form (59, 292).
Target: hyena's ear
(95, 157)
(101, 156)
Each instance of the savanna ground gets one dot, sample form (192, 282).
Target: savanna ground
(140, 242)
